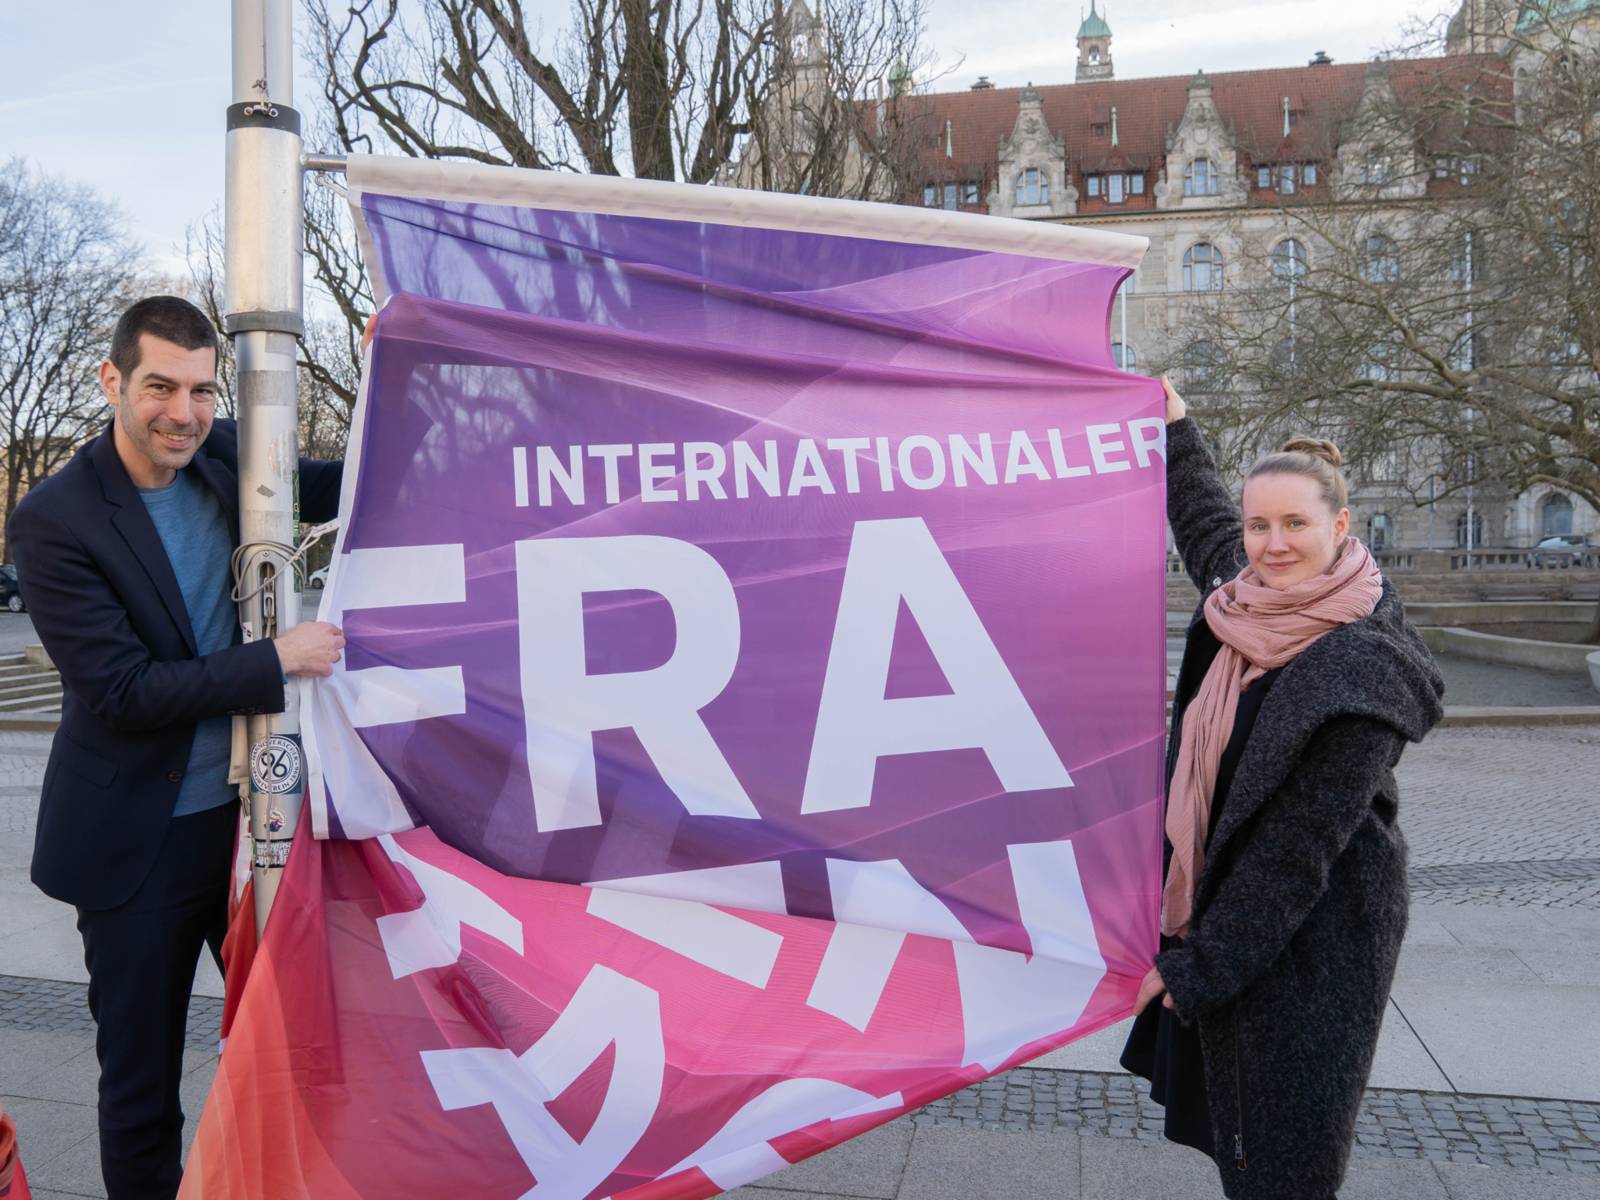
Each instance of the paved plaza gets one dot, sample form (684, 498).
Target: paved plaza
(1487, 1082)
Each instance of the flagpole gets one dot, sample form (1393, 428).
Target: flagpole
(263, 303)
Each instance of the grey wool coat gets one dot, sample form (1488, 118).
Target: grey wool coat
(1301, 904)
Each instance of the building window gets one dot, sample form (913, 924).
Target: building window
(1200, 178)
(1463, 260)
(1450, 166)
(1114, 189)
(1202, 268)
(1283, 355)
(1289, 264)
(969, 193)
(1380, 259)
(1203, 367)
(1099, 131)
(1477, 531)
(1380, 532)
(1286, 178)
(1375, 169)
(930, 196)
(1381, 363)
(1031, 186)
(1125, 357)
(1555, 515)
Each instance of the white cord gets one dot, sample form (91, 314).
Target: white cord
(251, 555)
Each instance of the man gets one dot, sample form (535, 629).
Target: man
(125, 560)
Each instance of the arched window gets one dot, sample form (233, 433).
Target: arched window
(1289, 264)
(1200, 178)
(1202, 268)
(1125, 357)
(1477, 530)
(1380, 259)
(1031, 186)
(1556, 515)
(1380, 531)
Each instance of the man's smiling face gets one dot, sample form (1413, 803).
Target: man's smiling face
(165, 406)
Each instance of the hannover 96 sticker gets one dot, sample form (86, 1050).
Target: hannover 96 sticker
(275, 764)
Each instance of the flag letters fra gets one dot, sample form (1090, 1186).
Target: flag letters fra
(890, 561)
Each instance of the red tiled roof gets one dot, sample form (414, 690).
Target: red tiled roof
(1321, 99)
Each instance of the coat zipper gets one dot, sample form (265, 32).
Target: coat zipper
(1239, 1160)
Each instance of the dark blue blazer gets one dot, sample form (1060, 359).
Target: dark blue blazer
(105, 603)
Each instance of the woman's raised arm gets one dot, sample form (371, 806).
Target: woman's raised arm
(1205, 521)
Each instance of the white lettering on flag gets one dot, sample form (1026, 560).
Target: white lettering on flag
(735, 947)
(1007, 999)
(430, 936)
(608, 1008)
(742, 1150)
(397, 577)
(889, 561)
(564, 706)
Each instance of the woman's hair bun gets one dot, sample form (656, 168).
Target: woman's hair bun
(1316, 447)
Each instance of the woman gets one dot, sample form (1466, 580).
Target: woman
(1285, 897)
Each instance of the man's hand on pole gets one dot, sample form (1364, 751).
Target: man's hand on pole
(310, 648)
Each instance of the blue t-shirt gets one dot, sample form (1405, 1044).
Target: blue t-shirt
(194, 529)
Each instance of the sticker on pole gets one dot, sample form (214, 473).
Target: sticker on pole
(275, 764)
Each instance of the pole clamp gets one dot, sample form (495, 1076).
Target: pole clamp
(263, 114)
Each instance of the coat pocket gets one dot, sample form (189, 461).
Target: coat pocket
(85, 763)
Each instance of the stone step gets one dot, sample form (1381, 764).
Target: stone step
(21, 690)
(32, 704)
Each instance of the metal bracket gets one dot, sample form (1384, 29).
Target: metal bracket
(271, 322)
(263, 114)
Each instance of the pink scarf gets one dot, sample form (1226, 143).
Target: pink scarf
(1260, 628)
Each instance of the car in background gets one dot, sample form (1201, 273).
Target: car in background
(318, 578)
(1560, 550)
(10, 593)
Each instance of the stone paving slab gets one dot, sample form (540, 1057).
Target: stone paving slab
(1508, 1038)
(1045, 1166)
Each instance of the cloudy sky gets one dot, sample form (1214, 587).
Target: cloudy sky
(130, 96)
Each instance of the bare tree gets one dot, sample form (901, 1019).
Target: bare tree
(758, 93)
(329, 352)
(67, 270)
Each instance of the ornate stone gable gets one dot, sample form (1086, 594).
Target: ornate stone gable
(1376, 156)
(1032, 147)
(1203, 150)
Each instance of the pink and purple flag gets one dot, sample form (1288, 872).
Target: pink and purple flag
(751, 723)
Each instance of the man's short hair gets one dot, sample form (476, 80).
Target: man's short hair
(170, 318)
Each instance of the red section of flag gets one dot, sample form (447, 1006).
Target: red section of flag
(398, 1032)
(13, 1180)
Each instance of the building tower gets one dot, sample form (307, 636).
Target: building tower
(1094, 47)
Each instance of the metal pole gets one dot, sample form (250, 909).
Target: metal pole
(1124, 290)
(1472, 459)
(263, 300)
